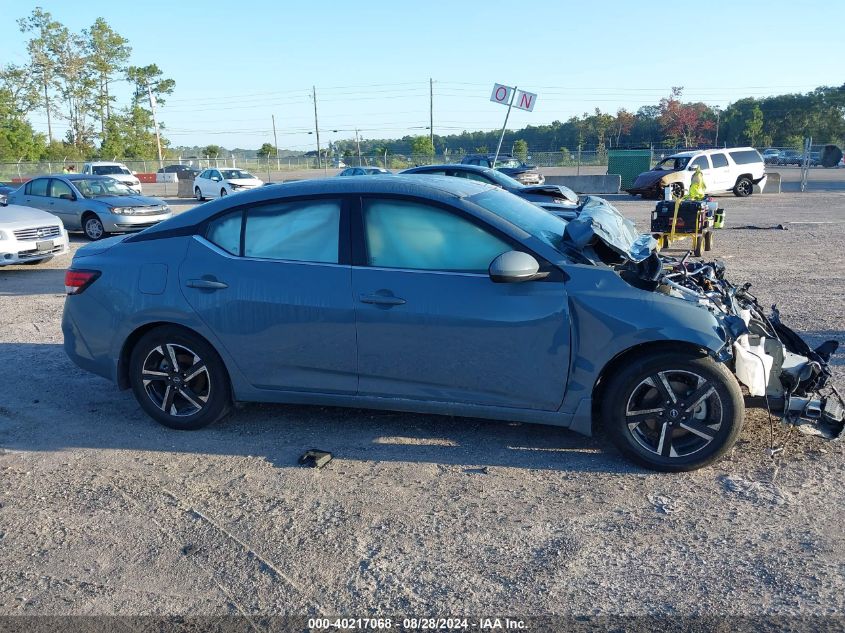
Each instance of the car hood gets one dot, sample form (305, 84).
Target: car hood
(16, 216)
(129, 201)
(245, 182)
(554, 191)
(649, 178)
(600, 221)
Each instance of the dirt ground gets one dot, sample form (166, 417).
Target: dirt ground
(102, 511)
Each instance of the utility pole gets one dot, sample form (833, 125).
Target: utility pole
(155, 124)
(317, 127)
(275, 142)
(431, 111)
(358, 143)
(718, 116)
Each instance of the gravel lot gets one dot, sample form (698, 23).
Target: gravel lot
(102, 511)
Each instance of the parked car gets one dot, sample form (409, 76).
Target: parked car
(735, 169)
(789, 157)
(95, 205)
(218, 182)
(364, 171)
(183, 172)
(118, 171)
(30, 236)
(555, 198)
(433, 295)
(770, 156)
(507, 164)
(5, 190)
(815, 159)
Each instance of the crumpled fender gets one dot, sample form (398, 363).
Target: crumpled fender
(609, 316)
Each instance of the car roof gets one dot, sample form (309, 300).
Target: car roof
(456, 166)
(437, 188)
(105, 163)
(696, 152)
(74, 176)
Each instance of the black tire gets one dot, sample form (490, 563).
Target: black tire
(198, 194)
(223, 192)
(698, 435)
(743, 187)
(708, 241)
(93, 227)
(196, 394)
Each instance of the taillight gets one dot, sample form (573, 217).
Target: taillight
(78, 280)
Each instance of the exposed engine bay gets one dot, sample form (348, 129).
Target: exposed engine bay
(771, 360)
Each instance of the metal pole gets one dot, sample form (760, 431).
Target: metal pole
(718, 115)
(317, 127)
(431, 111)
(502, 137)
(358, 143)
(276, 143)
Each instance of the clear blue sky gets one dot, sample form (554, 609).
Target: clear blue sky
(236, 63)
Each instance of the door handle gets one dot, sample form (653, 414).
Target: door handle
(207, 284)
(382, 300)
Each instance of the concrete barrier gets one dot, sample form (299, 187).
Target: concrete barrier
(772, 184)
(185, 189)
(168, 177)
(597, 183)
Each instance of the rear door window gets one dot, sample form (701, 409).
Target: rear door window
(301, 231)
(37, 187)
(719, 160)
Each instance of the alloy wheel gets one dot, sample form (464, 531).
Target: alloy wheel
(94, 228)
(674, 413)
(176, 380)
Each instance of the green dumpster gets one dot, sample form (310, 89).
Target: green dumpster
(628, 163)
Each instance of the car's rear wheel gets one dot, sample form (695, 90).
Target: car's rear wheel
(198, 194)
(93, 227)
(673, 411)
(179, 379)
(743, 187)
(677, 190)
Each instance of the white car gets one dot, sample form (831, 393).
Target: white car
(118, 171)
(735, 169)
(29, 236)
(219, 182)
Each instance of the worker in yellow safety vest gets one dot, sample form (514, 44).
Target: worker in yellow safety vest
(697, 188)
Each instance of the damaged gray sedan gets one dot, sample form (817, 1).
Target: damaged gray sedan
(436, 295)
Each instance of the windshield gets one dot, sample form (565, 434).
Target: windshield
(508, 162)
(235, 173)
(108, 170)
(97, 187)
(521, 213)
(672, 163)
(503, 180)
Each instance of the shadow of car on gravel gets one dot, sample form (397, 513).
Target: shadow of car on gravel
(93, 413)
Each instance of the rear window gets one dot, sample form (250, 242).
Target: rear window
(744, 157)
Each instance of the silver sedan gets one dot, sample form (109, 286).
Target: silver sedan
(95, 205)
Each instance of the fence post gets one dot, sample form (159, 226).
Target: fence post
(578, 169)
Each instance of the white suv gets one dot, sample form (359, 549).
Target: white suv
(735, 169)
(118, 171)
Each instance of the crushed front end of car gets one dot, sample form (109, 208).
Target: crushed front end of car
(771, 360)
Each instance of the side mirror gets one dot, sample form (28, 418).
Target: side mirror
(515, 267)
(134, 173)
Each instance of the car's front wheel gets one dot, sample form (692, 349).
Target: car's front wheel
(744, 187)
(93, 227)
(179, 379)
(673, 411)
(198, 194)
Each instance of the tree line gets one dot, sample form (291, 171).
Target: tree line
(68, 78)
(779, 121)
